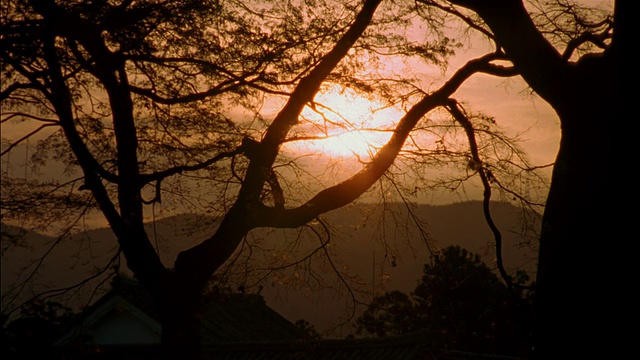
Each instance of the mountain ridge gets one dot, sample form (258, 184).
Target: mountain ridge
(378, 244)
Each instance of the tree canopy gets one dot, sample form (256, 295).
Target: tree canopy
(195, 105)
(462, 301)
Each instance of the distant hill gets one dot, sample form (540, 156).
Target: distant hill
(360, 244)
(381, 248)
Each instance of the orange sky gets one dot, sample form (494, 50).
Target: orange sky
(508, 101)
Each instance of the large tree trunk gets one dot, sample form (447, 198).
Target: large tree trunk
(581, 295)
(577, 287)
(583, 292)
(180, 313)
(180, 335)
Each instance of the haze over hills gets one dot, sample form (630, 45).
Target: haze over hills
(379, 248)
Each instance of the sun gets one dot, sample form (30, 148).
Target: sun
(345, 124)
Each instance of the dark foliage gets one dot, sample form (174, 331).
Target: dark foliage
(30, 336)
(460, 298)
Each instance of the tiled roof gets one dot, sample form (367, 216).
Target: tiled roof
(412, 347)
(243, 318)
(415, 346)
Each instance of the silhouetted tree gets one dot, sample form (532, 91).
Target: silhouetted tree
(149, 97)
(143, 93)
(392, 313)
(31, 335)
(576, 60)
(308, 329)
(460, 300)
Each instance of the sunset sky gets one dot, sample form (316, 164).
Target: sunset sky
(200, 158)
(508, 101)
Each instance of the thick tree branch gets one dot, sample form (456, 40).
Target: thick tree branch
(109, 68)
(199, 262)
(596, 39)
(304, 92)
(350, 189)
(534, 57)
(60, 98)
(160, 175)
(486, 178)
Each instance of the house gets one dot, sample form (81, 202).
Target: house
(122, 325)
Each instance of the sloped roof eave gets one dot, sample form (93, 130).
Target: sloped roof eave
(110, 305)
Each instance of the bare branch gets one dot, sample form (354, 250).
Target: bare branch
(26, 137)
(486, 177)
(349, 190)
(157, 176)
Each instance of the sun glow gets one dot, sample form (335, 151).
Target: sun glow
(345, 124)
